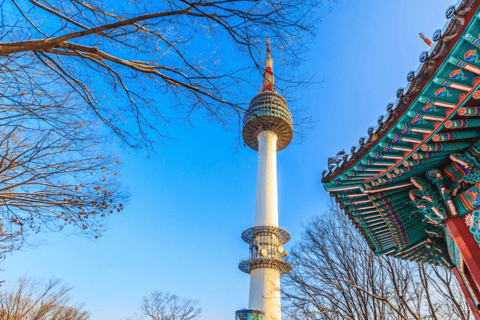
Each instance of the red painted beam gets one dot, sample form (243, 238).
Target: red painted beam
(467, 245)
(471, 304)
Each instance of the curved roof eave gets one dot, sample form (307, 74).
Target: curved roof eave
(430, 61)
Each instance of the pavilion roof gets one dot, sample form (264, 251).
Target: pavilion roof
(434, 116)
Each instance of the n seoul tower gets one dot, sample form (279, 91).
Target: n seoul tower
(267, 129)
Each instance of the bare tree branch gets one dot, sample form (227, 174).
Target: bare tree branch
(335, 276)
(165, 306)
(137, 65)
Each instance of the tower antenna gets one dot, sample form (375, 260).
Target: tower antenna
(268, 77)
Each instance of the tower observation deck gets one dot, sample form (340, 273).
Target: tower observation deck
(267, 129)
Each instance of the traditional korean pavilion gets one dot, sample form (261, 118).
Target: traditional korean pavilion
(412, 186)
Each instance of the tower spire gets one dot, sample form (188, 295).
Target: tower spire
(268, 78)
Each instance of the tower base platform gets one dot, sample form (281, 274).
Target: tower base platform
(247, 314)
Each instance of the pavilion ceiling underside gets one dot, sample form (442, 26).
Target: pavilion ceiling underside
(442, 118)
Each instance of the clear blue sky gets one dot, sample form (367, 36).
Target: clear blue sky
(191, 201)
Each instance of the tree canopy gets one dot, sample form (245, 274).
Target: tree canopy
(135, 65)
(75, 73)
(166, 306)
(54, 175)
(336, 276)
(31, 299)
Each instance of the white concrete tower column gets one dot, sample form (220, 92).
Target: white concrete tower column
(266, 208)
(265, 292)
(265, 282)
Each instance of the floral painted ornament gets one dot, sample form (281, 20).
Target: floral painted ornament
(476, 95)
(457, 74)
(471, 56)
(417, 117)
(469, 220)
(406, 129)
(386, 146)
(470, 199)
(442, 92)
(429, 107)
(396, 138)
(472, 221)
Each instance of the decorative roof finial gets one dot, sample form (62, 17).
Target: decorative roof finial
(268, 79)
(427, 41)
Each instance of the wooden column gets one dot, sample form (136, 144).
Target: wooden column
(468, 247)
(471, 304)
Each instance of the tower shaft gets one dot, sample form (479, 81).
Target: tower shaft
(266, 208)
(265, 282)
(265, 292)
